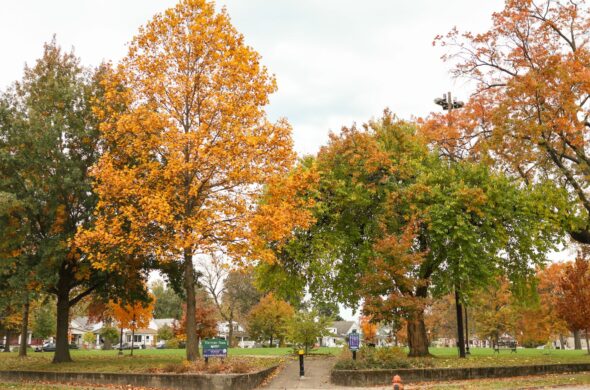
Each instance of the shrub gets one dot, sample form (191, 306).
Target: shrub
(374, 358)
(173, 343)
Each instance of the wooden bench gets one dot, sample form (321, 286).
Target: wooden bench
(505, 345)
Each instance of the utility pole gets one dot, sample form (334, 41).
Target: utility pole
(448, 104)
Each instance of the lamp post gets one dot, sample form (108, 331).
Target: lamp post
(449, 104)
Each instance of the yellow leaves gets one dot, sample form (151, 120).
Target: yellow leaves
(134, 316)
(188, 149)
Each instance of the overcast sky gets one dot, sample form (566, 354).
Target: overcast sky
(336, 61)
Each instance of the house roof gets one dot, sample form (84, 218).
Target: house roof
(141, 331)
(160, 322)
(342, 327)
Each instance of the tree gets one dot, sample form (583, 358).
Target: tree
(89, 338)
(185, 161)
(493, 310)
(396, 222)
(205, 319)
(133, 315)
(168, 302)
(49, 139)
(269, 319)
(574, 295)
(232, 291)
(306, 327)
(529, 112)
(327, 309)
(369, 330)
(109, 335)
(43, 325)
(440, 318)
(165, 333)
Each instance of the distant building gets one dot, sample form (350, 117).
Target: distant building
(339, 330)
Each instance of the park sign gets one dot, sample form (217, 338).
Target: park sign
(214, 348)
(354, 340)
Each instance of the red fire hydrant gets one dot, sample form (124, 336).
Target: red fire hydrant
(397, 383)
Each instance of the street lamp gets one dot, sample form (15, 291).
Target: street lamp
(448, 103)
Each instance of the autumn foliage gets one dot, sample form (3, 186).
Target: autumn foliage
(187, 144)
(529, 113)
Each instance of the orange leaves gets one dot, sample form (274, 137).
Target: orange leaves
(286, 206)
(188, 148)
(133, 316)
(573, 299)
(529, 113)
(369, 330)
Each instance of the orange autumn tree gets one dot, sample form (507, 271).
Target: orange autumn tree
(205, 318)
(135, 315)
(530, 113)
(369, 330)
(186, 158)
(573, 300)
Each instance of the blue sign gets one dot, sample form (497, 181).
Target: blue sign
(214, 348)
(354, 341)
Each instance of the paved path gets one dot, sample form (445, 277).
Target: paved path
(317, 376)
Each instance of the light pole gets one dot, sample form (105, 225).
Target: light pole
(449, 104)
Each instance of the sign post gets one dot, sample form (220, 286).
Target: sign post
(214, 348)
(354, 342)
(301, 367)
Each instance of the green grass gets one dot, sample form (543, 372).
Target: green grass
(142, 361)
(480, 357)
(447, 357)
(528, 382)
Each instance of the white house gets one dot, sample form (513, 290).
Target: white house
(339, 330)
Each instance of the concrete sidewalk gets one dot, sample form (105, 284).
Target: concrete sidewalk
(317, 376)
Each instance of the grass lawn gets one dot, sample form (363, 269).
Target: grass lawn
(529, 382)
(480, 357)
(141, 361)
(391, 358)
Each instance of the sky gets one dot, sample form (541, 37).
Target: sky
(336, 61)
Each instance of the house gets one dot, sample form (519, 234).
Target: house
(145, 337)
(78, 327)
(339, 330)
(239, 333)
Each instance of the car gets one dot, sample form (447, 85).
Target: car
(46, 347)
(126, 346)
(247, 344)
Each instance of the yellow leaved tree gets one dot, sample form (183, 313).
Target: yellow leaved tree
(187, 147)
(135, 315)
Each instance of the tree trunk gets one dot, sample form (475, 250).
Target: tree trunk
(561, 341)
(587, 344)
(230, 334)
(132, 339)
(192, 341)
(417, 338)
(7, 343)
(460, 334)
(62, 348)
(270, 344)
(107, 343)
(577, 341)
(22, 351)
(466, 333)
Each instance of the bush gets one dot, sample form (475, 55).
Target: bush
(110, 333)
(165, 333)
(374, 358)
(173, 343)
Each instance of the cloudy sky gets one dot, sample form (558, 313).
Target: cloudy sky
(336, 61)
